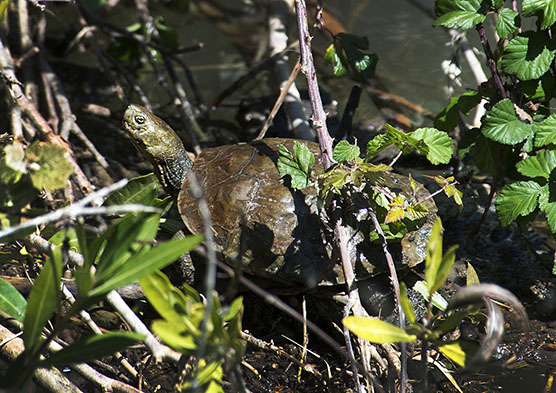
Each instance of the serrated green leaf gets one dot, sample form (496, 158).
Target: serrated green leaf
(439, 143)
(48, 166)
(517, 199)
(407, 307)
(42, 300)
(546, 9)
(460, 19)
(298, 166)
(507, 22)
(502, 125)
(345, 151)
(377, 331)
(528, 55)
(460, 352)
(146, 263)
(442, 7)
(547, 201)
(540, 89)
(91, 348)
(11, 301)
(540, 165)
(545, 131)
(449, 117)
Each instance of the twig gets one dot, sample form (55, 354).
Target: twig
(396, 286)
(78, 210)
(284, 91)
(308, 69)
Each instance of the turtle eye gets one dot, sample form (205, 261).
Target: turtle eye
(139, 119)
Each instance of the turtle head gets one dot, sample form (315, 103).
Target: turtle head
(160, 144)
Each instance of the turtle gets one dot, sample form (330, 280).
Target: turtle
(273, 231)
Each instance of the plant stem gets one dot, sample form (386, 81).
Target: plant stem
(491, 61)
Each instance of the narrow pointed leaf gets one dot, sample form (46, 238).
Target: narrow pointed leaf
(146, 263)
(42, 300)
(377, 331)
(11, 301)
(407, 307)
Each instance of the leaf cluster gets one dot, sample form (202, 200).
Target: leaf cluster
(181, 328)
(119, 256)
(516, 138)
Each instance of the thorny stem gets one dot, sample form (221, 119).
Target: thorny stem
(308, 69)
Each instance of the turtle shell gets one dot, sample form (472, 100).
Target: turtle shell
(272, 230)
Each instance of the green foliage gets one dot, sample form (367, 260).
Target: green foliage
(347, 54)
(122, 254)
(435, 327)
(515, 140)
(11, 301)
(181, 328)
(298, 165)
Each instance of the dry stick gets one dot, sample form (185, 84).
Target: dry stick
(278, 39)
(86, 317)
(396, 285)
(284, 91)
(49, 379)
(36, 118)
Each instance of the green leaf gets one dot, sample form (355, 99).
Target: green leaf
(442, 7)
(345, 151)
(298, 165)
(171, 335)
(48, 166)
(540, 89)
(546, 9)
(11, 301)
(333, 57)
(91, 348)
(502, 125)
(547, 202)
(407, 307)
(472, 277)
(540, 165)
(444, 269)
(448, 118)
(517, 199)
(507, 22)
(434, 256)
(545, 131)
(460, 352)
(439, 143)
(528, 55)
(146, 263)
(460, 19)
(377, 331)
(4, 9)
(165, 298)
(15, 155)
(359, 61)
(42, 300)
(140, 189)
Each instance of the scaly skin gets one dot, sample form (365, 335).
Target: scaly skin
(160, 145)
